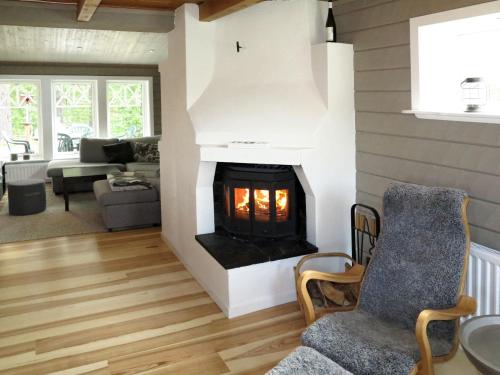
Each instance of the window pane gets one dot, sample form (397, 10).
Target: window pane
(126, 108)
(19, 118)
(74, 115)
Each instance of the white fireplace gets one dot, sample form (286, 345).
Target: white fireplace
(286, 98)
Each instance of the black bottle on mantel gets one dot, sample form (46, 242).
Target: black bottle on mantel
(331, 27)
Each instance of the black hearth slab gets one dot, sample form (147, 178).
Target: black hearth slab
(285, 248)
(231, 252)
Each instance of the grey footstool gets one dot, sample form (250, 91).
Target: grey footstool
(26, 197)
(127, 209)
(307, 361)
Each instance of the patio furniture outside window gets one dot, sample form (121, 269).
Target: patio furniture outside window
(19, 117)
(75, 115)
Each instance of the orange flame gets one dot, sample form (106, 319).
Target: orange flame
(281, 200)
(242, 200)
(262, 203)
(261, 198)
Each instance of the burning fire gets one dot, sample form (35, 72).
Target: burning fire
(282, 203)
(262, 203)
(242, 201)
(261, 198)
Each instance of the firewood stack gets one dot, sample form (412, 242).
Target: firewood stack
(326, 294)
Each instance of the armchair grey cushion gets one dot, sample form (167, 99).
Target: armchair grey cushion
(307, 361)
(417, 264)
(366, 345)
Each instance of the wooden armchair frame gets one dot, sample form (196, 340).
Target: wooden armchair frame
(352, 276)
(465, 306)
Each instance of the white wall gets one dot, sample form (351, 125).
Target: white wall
(273, 96)
(201, 83)
(180, 159)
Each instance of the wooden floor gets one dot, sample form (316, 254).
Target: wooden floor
(121, 303)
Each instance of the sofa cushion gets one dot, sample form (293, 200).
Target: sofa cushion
(146, 152)
(120, 152)
(153, 139)
(106, 197)
(148, 169)
(55, 167)
(91, 150)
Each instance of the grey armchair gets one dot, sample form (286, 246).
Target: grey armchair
(411, 294)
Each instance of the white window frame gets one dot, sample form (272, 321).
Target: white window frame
(40, 111)
(95, 111)
(45, 105)
(147, 103)
(415, 24)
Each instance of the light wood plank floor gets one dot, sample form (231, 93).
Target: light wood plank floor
(121, 303)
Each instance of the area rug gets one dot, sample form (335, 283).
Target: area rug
(83, 217)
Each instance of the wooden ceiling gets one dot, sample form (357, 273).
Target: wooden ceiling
(209, 9)
(131, 4)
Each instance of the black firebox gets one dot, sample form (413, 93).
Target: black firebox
(260, 215)
(259, 201)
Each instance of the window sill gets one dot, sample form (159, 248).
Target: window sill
(456, 116)
(66, 157)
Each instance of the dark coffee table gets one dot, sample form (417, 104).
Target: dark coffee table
(75, 175)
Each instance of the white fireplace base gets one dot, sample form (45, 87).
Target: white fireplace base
(200, 79)
(246, 289)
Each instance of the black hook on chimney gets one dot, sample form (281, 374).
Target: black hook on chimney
(239, 47)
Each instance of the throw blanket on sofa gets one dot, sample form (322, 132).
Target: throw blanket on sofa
(125, 183)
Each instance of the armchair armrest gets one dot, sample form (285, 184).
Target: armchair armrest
(299, 265)
(354, 275)
(466, 305)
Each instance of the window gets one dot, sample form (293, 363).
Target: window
(128, 108)
(19, 117)
(75, 115)
(455, 59)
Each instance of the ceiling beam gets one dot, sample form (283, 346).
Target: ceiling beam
(86, 9)
(213, 9)
(18, 13)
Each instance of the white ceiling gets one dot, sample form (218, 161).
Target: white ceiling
(43, 44)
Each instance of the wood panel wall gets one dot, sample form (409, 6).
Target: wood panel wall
(21, 68)
(392, 146)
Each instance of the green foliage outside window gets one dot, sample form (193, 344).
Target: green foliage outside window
(125, 109)
(16, 111)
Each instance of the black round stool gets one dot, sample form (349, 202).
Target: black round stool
(26, 197)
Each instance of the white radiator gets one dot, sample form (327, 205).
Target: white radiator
(23, 171)
(483, 279)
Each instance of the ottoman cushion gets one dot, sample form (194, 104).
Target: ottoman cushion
(26, 197)
(106, 197)
(307, 361)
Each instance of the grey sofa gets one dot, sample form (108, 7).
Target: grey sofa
(91, 155)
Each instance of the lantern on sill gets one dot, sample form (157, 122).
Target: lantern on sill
(474, 93)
